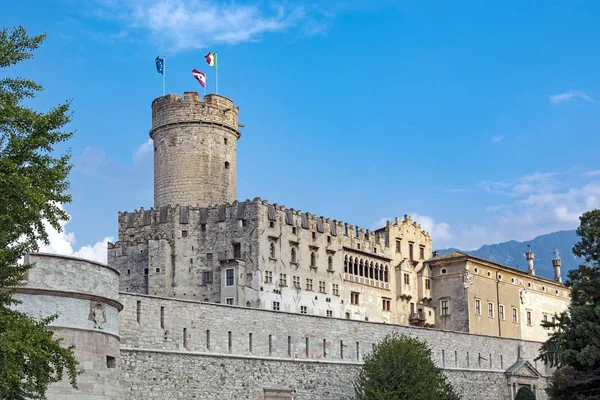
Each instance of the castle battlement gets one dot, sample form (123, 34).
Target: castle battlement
(256, 209)
(172, 109)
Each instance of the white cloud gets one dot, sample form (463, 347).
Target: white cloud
(62, 243)
(143, 151)
(533, 205)
(570, 95)
(195, 24)
(497, 138)
(592, 173)
(439, 231)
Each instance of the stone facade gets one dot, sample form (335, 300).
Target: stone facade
(482, 297)
(84, 294)
(194, 149)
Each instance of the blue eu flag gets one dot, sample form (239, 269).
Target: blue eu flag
(160, 65)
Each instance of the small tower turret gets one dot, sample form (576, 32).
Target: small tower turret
(556, 263)
(530, 255)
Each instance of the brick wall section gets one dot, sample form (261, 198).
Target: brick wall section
(218, 348)
(194, 149)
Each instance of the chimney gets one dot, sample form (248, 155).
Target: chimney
(530, 256)
(556, 262)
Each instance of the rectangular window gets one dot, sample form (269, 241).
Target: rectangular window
(478, 307)
(329, 313)
(386, 306)
(545, 318)
(491, 310)
(268, 277)
(411, 256)
(230, 301)
(421, 252)
(515, 316)
(501, 312)
(397, 245)
(203, 227)
(275, 306)
(444, 307)
(229, 277)
(145, 271)
(406, 279)
(328, 239)
(296, 282)
(335, 289)
(309, 284)
(271, 224)
(237, 250)
(322, 286)
(209, 256)
(282, 280)
(427, 284)
(303, 310)
(529, 318)
(184, 234)
(354, 298)
(207, 276)
(314, 236)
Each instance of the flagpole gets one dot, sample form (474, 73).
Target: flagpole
(217, 73)
(164, 73)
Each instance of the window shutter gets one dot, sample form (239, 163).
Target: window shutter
(289, 218)
(271, 212)
(241, 211)
(222, 213)
(183, 215)
(129, 220)
(333, 228)
(164, 212)
(147, 217)
(305, 220)
(204, 215)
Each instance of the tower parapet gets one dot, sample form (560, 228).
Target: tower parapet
(194, 149)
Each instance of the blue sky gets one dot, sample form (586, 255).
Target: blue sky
(478, 118)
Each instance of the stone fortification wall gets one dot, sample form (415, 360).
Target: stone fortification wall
(171, 348)
(169, 251)
(194, 149)
(84, 295)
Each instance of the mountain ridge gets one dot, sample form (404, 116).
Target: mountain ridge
(512, 252)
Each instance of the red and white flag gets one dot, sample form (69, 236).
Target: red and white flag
(200, 77)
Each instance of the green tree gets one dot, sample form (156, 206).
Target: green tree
(33, 184)
(525, 394)
(401, 368)
(574, 346)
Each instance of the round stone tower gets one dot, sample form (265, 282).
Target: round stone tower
(84, 295)
(194, 149)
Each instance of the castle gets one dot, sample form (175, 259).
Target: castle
(208, 297)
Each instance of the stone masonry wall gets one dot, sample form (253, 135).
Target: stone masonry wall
(179, 349)
(194, 149)
(169, 250)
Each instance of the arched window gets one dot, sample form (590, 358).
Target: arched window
(376, 271)
(356, 266)
(371, 270)
(226, 164)
(381, 273)
(385, 277)
(272, 250)
(360, 268)
(345, 264)
(313, 259)
(293, 255)
(330, 263)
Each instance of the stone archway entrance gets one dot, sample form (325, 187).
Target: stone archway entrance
(521, 374)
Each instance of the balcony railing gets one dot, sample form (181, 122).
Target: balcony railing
(417, 316)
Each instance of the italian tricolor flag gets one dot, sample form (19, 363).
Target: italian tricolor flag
(211, 59)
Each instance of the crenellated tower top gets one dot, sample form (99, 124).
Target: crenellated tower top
(195, 144)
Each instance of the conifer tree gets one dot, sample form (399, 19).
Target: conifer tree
(574, 346)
